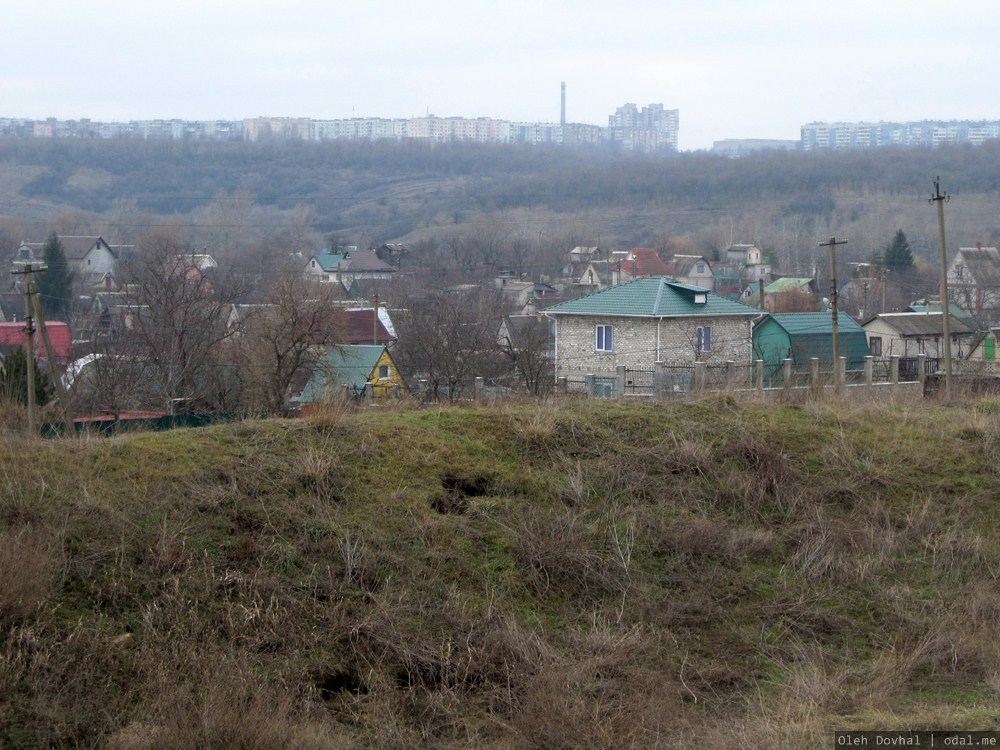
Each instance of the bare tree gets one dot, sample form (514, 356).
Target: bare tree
(278, 342)
(175, 321)
(449, 337)
(527, 347)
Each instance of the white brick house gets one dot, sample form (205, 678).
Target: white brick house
(645, 321)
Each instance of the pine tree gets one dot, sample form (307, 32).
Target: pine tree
(55, 286)
(897, 254)
(14, 379)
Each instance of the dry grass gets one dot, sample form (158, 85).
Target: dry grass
(597, 575)
(31, 558)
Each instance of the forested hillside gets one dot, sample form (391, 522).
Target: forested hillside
(387, 191)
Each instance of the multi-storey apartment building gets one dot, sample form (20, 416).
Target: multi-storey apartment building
(648, 129)
(821, 136)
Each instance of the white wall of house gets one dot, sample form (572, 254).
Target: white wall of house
(892, 343)
(640, 342)
(100, 259)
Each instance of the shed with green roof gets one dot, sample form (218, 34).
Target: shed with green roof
(806, 335)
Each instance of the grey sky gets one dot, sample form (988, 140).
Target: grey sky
(733, 69)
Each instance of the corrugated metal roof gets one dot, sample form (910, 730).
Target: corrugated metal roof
(787, 284)
(924, 324)
(351, 364)
(808, 335)
(815, 322)
(655, 297)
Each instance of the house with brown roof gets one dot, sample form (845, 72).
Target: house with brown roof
(637, 263)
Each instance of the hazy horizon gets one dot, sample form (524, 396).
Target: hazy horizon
(733, 71)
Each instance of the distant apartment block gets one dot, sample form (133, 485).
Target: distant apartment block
(650, 129)
(837, 136)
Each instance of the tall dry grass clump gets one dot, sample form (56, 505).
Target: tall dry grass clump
(31, 559)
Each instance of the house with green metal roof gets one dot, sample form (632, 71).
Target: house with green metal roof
(802, 336)
(645, 321)
(325, 266)
(350, 369)
(791, 294)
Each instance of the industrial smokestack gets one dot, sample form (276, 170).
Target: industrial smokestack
(562, 108)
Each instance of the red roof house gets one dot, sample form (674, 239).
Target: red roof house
(12, 335)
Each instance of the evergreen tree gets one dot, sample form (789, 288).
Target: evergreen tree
(55, 286)
(897, 254)
(14, 380)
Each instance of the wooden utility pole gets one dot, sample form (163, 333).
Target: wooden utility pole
(53, 365)
(29, 341)
(832, 244)
(375, 319)
(940, 198)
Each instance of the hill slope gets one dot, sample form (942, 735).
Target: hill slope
(581, 574)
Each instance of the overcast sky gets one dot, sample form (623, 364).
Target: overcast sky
(734, 68)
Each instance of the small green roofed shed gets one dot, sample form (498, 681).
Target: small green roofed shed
(803, 336)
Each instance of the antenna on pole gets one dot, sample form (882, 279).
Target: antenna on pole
(940, 198)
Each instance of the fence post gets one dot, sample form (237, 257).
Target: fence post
(922, 368)
(869, 369)
(477, 388)
(347, 391)
(840, 374)
(699, 376)
(659, 380)
(758, 374)
(620, 385)
(730, 373)
(369, 393)
(894, 369)
(786, 373)
(562, 384)
(814, 373)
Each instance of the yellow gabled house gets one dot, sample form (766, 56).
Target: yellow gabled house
(352, 370)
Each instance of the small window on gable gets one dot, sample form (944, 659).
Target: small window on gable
(703, 338)
(875, 346)
(701, 268)
(605, 338)
(383, 372)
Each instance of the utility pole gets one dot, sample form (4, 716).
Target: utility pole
(375, 319)
(832, 244)
(940, 198)
(29, 340)
(53, 367)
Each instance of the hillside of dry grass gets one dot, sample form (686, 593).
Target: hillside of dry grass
(579, 574)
